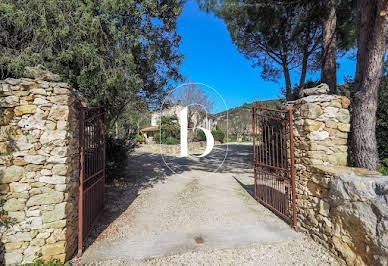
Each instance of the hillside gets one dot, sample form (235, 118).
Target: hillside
(240, 118)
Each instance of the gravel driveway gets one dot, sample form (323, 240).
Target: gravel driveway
(194, 216)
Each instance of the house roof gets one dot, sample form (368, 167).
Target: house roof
(148, 129)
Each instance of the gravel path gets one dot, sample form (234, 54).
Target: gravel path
(157, 202)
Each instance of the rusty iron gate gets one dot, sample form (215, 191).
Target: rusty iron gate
(92, 170)
(273, 160)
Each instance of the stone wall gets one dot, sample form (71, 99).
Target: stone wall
(39, 167)
(343, 208)
(198, 146)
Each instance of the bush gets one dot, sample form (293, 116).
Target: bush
(246, 138)
(116, 154)
(231, 139)
(171, 141)
(218, 135)
(201, 135)
(140, 138)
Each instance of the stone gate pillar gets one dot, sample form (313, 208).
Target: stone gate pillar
(321, 126)
(39, 166)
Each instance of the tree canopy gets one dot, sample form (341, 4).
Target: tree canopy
(108, 50)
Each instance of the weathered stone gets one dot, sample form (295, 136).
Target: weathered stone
(331, 111)
(37, 242)
(6, 116)
(60, 211)
(35, 159)
(45, 198)
(4, 147)
(320, 89)
(19, 187)
(59, 112)
(12, 100)
(25, 109)
(336, 103)
(44, 235)
(61, 99)
(20, 236)
(36, 121)
(343, 116)
(60, 169)
(54, 249)
(312, 125)
(8, 133)
(331, 123)
(60, 90)
(56, 224)
(40, 72)
(56, 159)
(49, 136)
(13, 246)
(41, 101)
(55, 179)
(338, 158)
(19, 216)
(345, 102)
(33, 213)
(310, 110)
(38, 91)
(4, 188)
(12, 81)
(61, 151)
(318, 135)
(343, 127)
(11, 174)
(14, 257)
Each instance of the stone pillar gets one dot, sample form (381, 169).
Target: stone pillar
(321, 126)
(39, 167)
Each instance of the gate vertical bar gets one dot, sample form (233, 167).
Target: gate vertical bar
(292, 157)
(81, 179)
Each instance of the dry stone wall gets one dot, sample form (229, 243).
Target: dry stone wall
(39, 167)
(343, 208)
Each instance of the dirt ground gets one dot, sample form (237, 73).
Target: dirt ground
(151, 213)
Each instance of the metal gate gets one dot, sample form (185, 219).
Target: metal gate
(273, 160)
(92, 170)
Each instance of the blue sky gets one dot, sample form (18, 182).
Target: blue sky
(213, 59)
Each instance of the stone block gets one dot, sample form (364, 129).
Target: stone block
(19, 187)
(54, 249)
(343, 127)
(45, 198)
(59, 112)
(6, 116)
(11, 174)
(25, 109)
(310, 110)
(345, 102)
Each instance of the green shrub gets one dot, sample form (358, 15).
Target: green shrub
(116, 154)
(169, 132)
(171, 141)
(231, 139)
(218, 135)
(201, 135)
(246, 138)
(140, 138)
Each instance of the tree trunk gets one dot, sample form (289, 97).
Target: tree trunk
(372, 41)
(304, 68)
(288, 82)
(329, 48)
